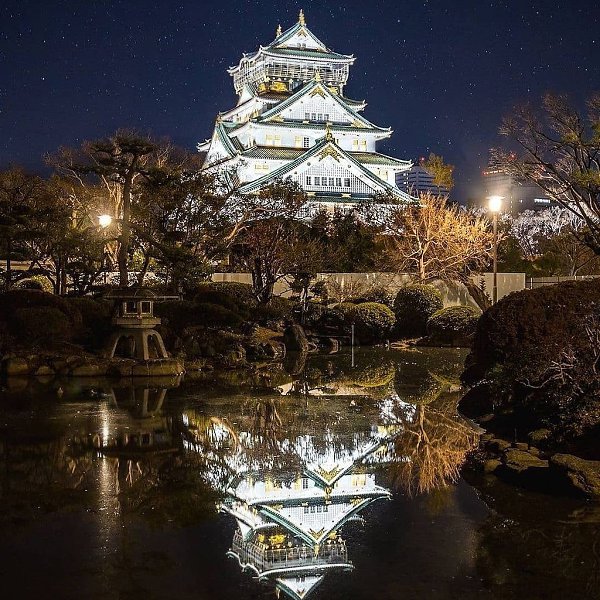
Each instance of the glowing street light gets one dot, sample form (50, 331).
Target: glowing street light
(495, 206)
(104, 221)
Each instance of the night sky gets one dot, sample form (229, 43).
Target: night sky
(441, 74)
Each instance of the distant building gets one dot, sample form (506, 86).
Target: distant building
(418, 180)
(518, 194)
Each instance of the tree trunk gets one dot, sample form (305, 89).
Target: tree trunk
(144, 270)
(478, 293)
(125, 236)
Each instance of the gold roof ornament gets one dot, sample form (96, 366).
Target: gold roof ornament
(278, 32)
(301, 18)
(329, 138)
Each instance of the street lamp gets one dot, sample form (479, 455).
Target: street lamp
(104, 221)
(495, 206)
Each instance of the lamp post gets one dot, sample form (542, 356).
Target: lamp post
(104, 221)
(495, 205)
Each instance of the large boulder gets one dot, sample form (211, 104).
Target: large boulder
(519, 461)
(584, 475)
(295, 339)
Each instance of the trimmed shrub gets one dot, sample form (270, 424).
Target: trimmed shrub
(373, 321)
(35, 282)
(223, 299)
(176, 315)
(379, 294)
(532, 364)
(41, 323)
(413, 306)
(277, 309)
(453, 325)
(542, 319)
(240, 292)
(14, 300)
(214, 315)
(95, 320)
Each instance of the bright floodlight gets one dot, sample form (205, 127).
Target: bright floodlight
(104, 220)
(495, 203)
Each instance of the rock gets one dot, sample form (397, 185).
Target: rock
(539, 437)
(235, 357)
(497, 446)
(44, 371)
(157, 368)
(88, 370)
(519, 461)
(584, 475)
(15, 367)
(490, 465)
(273, 349)
(520, 446)
(295, 339)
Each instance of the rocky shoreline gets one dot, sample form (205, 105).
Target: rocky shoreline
(527, 466)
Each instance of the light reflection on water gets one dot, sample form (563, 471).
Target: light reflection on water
(298, 466)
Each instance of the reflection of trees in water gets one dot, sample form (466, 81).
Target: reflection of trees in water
(52, 473)
(433, 441)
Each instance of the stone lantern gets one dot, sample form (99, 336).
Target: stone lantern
(134, 320)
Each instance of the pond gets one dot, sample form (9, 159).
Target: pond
(331, 477)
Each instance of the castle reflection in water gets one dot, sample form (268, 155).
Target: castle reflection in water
(292, 465)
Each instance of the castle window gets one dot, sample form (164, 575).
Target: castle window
(269, 139)
(347, 182)
(354, 144)
(326, 117)
(306, 510)
(307, 116)
(308, 180)
(305, 479)
(313, 116)
(363, 145)
(306, 142)
(317, 181)
(277, 140)
(320, 116)
(331, 182)
(298, 141)
(338, 181)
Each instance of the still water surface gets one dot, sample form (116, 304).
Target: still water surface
(315, 479)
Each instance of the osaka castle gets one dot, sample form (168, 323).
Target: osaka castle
(293, 121)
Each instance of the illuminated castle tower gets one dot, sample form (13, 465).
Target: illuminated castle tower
(292, 120)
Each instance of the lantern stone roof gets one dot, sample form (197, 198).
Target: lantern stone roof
(136, 293)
